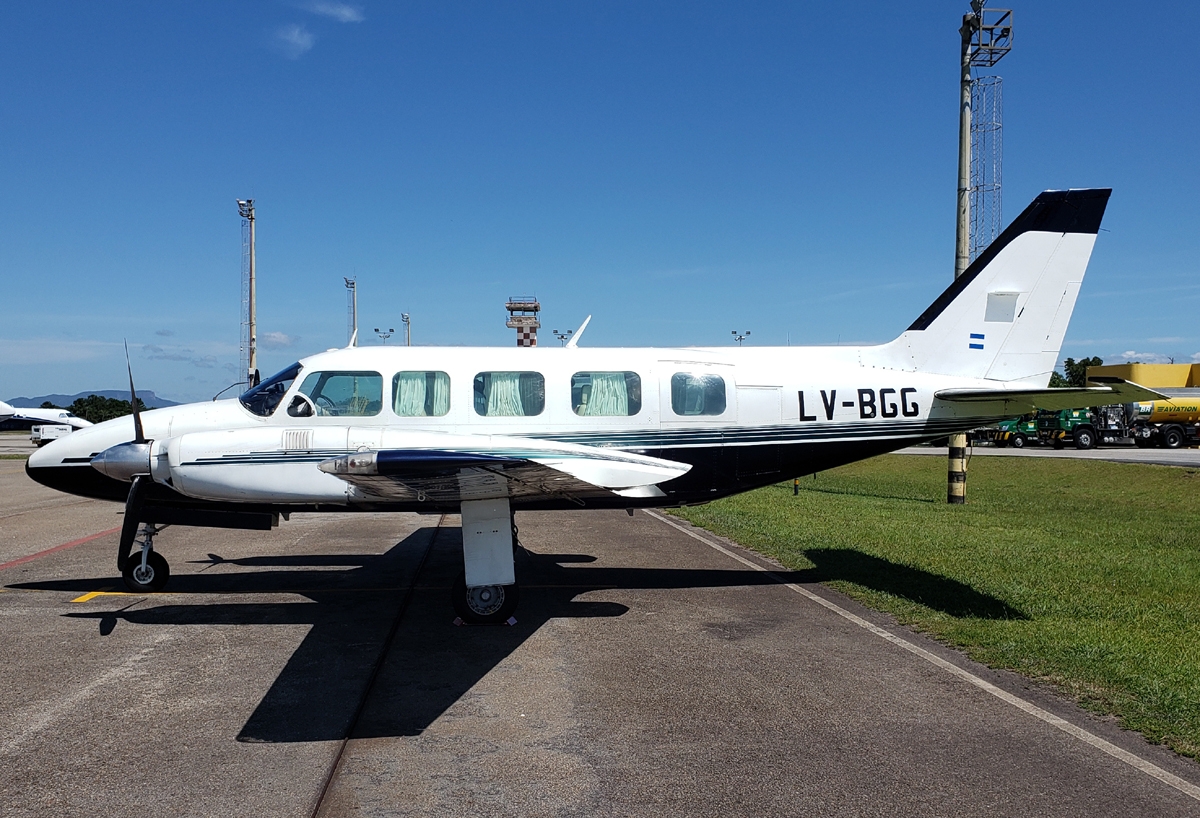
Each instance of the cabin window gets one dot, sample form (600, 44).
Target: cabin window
(606, 394)
(339, 394)
(509, 394)
(421, 394)
(264, 398)
(697, 394)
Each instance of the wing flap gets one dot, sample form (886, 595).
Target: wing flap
(446, 477)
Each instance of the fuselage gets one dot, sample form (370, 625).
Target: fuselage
(739, 417)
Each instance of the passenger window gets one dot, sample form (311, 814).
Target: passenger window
(697, 394)
(339, 394)
(421, 394)
(509, 394)
(606, 394)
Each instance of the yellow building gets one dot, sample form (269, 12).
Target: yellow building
(1154, 376)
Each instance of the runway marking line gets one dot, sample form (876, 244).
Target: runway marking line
(1137, 762)
(88, 597)
(63, 547)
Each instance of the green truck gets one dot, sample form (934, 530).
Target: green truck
(1016, 432)
(1068, 426)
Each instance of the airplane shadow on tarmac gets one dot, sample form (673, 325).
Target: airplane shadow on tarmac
(431, 664)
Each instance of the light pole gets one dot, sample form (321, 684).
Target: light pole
(986, 37)
(407, 329)
(563, 336)
(740, 336)
(246, 211)
(352, 290)
(384, 334)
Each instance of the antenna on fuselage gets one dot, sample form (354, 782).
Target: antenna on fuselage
(575, 339)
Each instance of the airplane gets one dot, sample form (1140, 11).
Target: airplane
(60, 417)
(484, 432)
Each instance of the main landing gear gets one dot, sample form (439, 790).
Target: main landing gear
(486, 593)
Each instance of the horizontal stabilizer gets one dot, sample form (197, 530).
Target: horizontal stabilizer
(1021, 401)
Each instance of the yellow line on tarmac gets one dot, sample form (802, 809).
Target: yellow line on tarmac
(88, 597)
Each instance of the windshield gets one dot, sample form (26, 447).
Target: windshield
(262, 399)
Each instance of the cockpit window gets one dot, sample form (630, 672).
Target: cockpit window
(338, 394)
(263, 399)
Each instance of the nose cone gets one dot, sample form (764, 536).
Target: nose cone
(123, 461)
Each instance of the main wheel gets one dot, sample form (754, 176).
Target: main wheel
(484, 604)
(1017, 441)
(1172, 437)
(1085, 438)
(149, 579)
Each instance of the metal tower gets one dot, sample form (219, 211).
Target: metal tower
(987, 153)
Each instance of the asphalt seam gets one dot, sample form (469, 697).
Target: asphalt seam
(1137, 762)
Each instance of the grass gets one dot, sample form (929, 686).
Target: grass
(14, 457)
(1080, 573)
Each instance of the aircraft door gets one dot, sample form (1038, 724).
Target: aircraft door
(759, 405)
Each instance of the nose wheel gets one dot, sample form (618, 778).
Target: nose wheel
(144, 576)
(146, 570)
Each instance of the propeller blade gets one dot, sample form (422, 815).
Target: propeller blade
(139, 435)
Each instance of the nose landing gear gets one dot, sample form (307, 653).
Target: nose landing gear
(148, 571)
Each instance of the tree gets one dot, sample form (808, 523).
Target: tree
(98, 409)
(48, 405)
(1076, 372)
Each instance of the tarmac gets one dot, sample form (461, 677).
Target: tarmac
(653, 669)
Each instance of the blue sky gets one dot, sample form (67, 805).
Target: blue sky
(678, 170)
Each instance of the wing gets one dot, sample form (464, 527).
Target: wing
(532, 469)
(1020, 401)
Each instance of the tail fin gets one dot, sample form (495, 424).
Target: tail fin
(1005, 317)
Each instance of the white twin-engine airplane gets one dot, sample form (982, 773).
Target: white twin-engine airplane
(484, 432)
(59, 417)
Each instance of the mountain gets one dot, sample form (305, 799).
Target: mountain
(151, 400)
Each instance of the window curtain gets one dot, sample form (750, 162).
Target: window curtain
(503, 391)
(609, 396)
(440, 405)
(408, 399)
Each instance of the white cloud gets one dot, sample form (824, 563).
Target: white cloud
(277, 340)
(294, 40)
(1145, 357)
(1196, 357)
(342, 12)
(165, 333)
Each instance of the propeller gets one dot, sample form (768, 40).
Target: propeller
(130, 462)
(138, 432)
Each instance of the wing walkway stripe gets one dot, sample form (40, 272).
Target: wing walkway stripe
(1137, 762)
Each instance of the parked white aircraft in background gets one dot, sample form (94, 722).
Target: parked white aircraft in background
(485, 432)
(57, 416)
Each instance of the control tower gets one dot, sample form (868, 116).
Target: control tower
(523, 317)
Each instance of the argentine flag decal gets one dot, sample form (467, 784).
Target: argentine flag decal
(976, 340)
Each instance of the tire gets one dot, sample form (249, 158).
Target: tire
(1017, 441)
(1085, 438)
(1058, 443)
(486, 605)
(1172, 437)
(1001, 443)
(1143, 443)
(153, 579)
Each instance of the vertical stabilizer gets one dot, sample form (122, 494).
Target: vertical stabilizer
(1005, 317)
